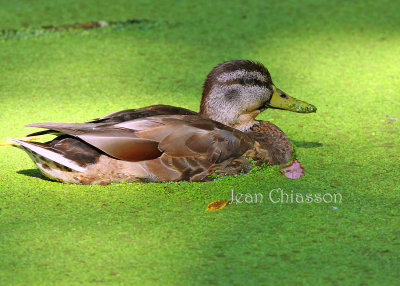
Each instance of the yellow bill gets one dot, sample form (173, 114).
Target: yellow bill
(281, 100)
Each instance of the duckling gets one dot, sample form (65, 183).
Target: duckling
(162, 143)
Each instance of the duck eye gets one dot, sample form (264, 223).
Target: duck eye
(249, 80)
(283, 95)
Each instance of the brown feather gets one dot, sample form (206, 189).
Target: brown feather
(274, 140)
(117, 142)
(153, 110)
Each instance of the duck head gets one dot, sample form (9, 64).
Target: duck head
(235, 92)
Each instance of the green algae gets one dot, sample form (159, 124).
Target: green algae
(341, 56)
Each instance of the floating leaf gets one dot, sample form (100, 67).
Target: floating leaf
(217, 205)
(293, 170)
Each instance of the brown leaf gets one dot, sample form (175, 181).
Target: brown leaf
(217, 205)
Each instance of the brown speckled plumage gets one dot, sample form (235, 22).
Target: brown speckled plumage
(272, 138)
(166, 143)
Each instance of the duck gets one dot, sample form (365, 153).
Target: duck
(163, 143)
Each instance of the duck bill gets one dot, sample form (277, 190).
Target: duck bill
(281, 100)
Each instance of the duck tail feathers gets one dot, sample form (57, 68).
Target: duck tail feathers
(32, 147)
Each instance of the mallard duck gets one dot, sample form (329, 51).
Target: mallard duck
(166, 143)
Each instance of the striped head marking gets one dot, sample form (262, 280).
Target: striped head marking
(235, 92)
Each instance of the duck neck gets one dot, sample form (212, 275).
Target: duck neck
(215, 107)
(243, 122)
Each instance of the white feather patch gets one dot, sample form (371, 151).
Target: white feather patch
(50, 155)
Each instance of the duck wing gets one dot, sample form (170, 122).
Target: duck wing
(177, 136)
(117, 142)
(149, 111)
(182, 136)
(131, 114)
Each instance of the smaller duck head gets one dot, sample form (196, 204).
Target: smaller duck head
(235, 92)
